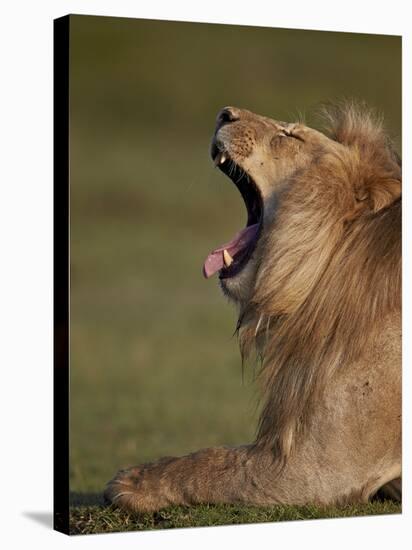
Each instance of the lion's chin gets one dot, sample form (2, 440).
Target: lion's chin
(238, 288)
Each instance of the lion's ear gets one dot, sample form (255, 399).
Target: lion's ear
(380, 192)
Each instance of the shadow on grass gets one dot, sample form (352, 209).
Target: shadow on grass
(86, 499)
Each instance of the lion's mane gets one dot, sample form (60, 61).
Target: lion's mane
(329, 272)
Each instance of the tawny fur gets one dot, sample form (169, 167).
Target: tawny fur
(320, 304)
(331, 276)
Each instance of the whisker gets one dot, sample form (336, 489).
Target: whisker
(258, 324)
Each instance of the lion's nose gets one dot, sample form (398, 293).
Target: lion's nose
(227, 115)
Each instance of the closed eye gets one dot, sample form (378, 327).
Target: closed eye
(287, 133)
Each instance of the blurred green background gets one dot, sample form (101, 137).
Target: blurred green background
(154, 367)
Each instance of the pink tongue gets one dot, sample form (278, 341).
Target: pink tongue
(214, 261)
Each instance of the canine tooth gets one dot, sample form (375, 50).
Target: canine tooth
(222, 158)
(227, 258)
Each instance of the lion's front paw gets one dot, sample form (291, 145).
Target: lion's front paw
(128, 490)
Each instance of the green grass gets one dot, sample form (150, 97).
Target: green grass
(100, 519)
(154, 369)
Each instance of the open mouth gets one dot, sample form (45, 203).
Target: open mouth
(230, 258)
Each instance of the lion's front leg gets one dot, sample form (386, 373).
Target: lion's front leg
(249, 475)
(209, 475)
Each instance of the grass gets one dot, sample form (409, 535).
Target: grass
(99, 519)
(154, 369)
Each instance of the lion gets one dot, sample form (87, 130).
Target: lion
(316, 277)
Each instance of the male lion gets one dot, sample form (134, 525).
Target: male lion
(316, 275)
